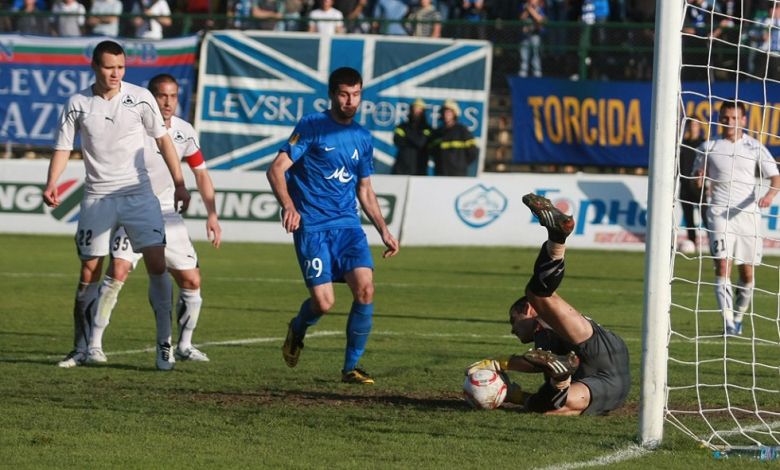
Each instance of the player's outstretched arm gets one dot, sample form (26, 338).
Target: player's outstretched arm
(370, 205)
(206, 191)
(171, 157)
(56, 167)
(291, 219)
(515, 362)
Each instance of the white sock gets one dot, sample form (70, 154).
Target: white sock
(161, 298)
(107, 297)
(555, 250)
(725, 299)
(187, 314)
(743, 298)
(561, 384)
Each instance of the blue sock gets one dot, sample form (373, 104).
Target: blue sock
(305, 319)
(358, 328)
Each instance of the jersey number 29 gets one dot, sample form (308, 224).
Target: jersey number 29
(313, 268)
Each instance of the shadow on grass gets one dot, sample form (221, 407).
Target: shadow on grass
(383, 315)
(335, 399)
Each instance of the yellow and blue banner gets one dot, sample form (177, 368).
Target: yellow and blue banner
(597, 123)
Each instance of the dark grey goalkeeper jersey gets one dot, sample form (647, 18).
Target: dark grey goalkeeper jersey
(603, 364)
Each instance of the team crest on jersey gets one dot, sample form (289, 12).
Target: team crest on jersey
(294, 139)
(128, 100)
(178, 137)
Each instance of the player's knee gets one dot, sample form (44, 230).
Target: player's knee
(322, 306)
(189, 282)
(154, 259)
(120, 269)
(364, 294)
(91, 270)
(533, 299)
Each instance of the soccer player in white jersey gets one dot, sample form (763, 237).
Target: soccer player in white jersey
(180, 255)
(730, 164)
(113, 117)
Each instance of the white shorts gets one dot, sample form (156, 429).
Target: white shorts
(735, 235)
(179, 252)
(100, 216)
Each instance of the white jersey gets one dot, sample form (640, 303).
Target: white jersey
(730, 168)
(187, 147)
(151, 28)
(112, 137)
(326, 27)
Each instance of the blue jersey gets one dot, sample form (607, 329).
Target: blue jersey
(328, 160)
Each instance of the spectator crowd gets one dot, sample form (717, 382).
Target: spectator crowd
(551, 37)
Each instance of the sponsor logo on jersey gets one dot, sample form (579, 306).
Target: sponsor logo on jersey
(480, 206)
(128, 100)
(178, 137)
(341, 174)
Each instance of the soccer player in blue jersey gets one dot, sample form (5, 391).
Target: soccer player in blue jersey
(316, 176)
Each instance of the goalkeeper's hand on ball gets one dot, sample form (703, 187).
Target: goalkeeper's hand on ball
(496, 364)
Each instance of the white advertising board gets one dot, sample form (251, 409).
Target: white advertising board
(610, 210)
(246, 206)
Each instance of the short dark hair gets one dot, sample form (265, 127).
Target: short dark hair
(344, 76)
(106, 47)
(157, 80)
(516, 306)
(731, 104)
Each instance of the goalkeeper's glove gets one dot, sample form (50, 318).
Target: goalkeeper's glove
(496, 364)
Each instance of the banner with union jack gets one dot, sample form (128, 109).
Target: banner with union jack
(253, 87)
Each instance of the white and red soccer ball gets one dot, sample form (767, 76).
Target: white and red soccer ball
(484, 389)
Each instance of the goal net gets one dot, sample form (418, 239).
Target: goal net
(723, 385)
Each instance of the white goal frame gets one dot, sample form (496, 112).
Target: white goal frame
(659, 245)
(734, 377)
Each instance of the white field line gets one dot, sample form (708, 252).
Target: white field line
(512, 288)
(631, 452)
(231, 342)
(280, 339)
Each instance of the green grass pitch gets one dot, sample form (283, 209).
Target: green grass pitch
(437, 310)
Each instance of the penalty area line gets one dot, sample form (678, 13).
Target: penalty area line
(631, 452)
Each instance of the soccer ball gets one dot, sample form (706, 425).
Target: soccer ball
(484, 389)
(686, 246)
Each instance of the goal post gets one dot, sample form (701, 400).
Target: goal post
(660, 228)
(711, 345)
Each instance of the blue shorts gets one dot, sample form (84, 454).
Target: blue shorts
(328, 255)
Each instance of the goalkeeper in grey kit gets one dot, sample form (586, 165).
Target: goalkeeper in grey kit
(585, 365)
